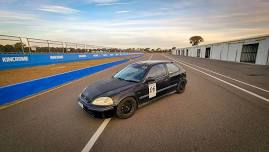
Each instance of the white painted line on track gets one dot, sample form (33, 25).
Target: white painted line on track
(95, 136)
(235, 86)
(227, 77)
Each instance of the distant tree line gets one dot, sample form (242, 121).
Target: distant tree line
(20, 47)
(11, 48)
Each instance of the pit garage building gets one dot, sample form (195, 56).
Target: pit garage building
(249, 50)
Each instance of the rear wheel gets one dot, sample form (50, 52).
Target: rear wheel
(181, 87)
(126, 108)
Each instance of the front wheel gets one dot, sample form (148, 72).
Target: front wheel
(126, 108)
(181, 87)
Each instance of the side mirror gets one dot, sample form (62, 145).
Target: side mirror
(149, 79)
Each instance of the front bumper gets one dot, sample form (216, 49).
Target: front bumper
(94, 108)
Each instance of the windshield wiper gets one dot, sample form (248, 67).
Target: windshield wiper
(119, 78)
(126, 79)
(131, 80)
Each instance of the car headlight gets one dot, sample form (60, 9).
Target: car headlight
(103, 101)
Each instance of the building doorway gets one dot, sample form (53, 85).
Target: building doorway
(207, 53)
(198, 53)
(249, 53)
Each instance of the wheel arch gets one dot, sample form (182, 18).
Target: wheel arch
(129, 96)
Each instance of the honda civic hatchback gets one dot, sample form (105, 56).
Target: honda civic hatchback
(133, 86)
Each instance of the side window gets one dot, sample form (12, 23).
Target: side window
(157, 71)
(172, 68)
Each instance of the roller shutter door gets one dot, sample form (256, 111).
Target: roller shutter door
(249, 53)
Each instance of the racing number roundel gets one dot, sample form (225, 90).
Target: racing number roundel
(152, 90)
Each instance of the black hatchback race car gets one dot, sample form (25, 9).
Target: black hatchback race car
(136, 84)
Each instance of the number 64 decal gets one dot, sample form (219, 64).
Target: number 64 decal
(152, 90)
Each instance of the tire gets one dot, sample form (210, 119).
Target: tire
(181, 86)
(126, 108)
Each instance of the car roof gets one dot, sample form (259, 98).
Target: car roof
(153, 62)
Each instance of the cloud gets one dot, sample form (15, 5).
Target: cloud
(153, 33)
(16, 18)
(104, 1)
(109, 4)
(152, 24)
(122, 12)
(58, 9)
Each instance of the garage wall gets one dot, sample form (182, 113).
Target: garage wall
(262, 55)
(192, 51)
(202, 55)
(216, 49)
(231, 51)
(173, 51)
(234, 50)
(224, 51)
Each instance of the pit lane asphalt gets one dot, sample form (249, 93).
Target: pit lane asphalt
(208, 116)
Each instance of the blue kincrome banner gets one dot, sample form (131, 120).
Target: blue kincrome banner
(10, 61)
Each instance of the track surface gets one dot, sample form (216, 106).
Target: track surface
(209, 116)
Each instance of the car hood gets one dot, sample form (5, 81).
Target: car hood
(107, 87)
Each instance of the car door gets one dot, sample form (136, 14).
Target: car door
(174, 73)
(161, 80)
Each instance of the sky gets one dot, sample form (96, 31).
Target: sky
(134, 23)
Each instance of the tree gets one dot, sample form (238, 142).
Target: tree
(18, 46)
(8, 48)
(147, 50)
(2, 48)
(195, 40)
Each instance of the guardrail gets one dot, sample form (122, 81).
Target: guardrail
(11, 61)
(16, 44)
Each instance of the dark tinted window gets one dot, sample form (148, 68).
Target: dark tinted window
(157, 71)
(172, 68)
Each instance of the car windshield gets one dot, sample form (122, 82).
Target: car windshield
(133, 72)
